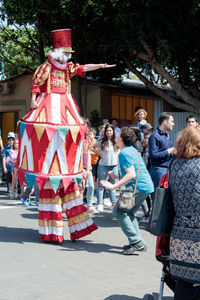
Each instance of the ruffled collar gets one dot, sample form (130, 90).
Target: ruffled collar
(57, 64)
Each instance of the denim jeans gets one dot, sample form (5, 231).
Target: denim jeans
(103, 175)
(156, 174)
(90, 189)
(128, 221)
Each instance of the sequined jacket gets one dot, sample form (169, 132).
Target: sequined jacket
(50, 77)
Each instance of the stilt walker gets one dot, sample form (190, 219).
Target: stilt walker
(51, 138)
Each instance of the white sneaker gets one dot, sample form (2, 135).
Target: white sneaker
(11, 196)
(92, 210)
(100, 207)
(107, 202)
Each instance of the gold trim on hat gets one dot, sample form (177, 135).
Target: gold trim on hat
(65, 49)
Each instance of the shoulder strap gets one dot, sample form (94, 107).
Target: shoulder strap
(137, 176)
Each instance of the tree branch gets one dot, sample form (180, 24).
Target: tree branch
(175, 85)
(157, 91)
(16, 41)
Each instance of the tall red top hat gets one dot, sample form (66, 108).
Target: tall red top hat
(62, 39)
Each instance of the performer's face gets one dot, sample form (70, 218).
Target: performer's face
(64, 57)
(60, 56)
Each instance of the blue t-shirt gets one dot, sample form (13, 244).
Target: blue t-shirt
(128, 157)
(6, 153)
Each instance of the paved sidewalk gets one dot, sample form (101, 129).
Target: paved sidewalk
(92, 268)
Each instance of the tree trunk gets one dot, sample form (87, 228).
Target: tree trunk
(159, 92)
(175, 85)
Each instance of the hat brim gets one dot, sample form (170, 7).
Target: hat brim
(65, 49)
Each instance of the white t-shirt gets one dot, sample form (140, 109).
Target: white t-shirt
(109, 156)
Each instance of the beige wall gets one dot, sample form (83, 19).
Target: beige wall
(19, 97)
(93, 99)
(93, 96)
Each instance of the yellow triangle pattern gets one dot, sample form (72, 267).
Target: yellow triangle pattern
(55, 168)
(74, 132)
(24, 161)
(39, 130)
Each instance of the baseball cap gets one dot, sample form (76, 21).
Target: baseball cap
(11, 135)
(147, 126)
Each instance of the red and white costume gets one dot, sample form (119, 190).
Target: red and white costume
(50, 150)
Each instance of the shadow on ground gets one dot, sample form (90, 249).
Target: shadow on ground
(89, 246)
(19, 235)
(121, 297)
(125, 297)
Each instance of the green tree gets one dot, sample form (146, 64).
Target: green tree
(157, 40)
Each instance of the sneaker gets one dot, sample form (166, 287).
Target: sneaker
(100, 208)
(31, 203)
(24, 202)
(92, 210)
(107, 202)
(12, 196)
(132, 248)
(16, 195)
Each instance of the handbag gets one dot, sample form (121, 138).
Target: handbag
(126, 199)
(162, 215)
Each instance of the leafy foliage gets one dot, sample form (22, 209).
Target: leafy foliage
(157, 40)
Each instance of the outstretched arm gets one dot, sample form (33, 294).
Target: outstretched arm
(92, 67)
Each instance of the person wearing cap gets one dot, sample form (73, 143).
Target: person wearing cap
(146, 128)
(51, 139)
(7, 167)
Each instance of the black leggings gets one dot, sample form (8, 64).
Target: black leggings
(183, 290)
(8, 180)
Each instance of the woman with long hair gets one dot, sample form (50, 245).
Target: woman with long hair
(108, 152)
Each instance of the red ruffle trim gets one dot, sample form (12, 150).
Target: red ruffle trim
(50, 215)
(49, 193)
(79, 234)
(52, 238)
(76, 210)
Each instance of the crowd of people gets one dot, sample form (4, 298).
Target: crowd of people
(133, 156)
(114, 157)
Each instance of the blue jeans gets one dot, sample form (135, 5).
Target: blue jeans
(90, 189)
(156, 174)
(103, 175)
(128, 221)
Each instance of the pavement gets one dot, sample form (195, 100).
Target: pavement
(92, 268)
